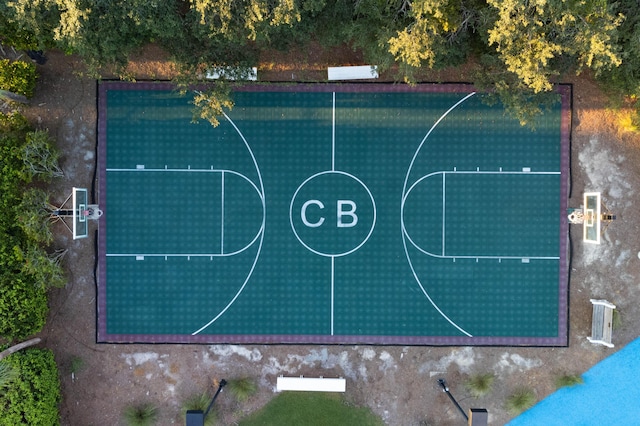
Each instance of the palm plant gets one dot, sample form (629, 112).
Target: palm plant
(522, 399)
(480, 384)
(568, 380)
(242, 389)
(141, 415)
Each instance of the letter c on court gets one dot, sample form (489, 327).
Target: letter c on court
(303, 213)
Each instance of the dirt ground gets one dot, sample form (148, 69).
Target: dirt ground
(399, 383)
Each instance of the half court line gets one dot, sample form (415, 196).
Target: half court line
(222, 214)
(333, 264)
(444, 208)
(333, 134)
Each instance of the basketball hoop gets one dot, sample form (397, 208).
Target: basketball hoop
(79, 212)
(591, 217)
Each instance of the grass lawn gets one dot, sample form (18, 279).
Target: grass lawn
(309, 409)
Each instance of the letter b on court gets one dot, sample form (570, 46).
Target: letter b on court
(346, 208)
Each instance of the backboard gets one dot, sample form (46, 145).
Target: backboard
(592, 218)
(79, 202)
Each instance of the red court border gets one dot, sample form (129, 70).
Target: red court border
(102, 336)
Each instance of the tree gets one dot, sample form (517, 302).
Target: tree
(436, 34)
(106, 33)
(32, 216)
(539, 40)
(623, 82)
(18, 77)
(210, 105)
(39, 157)
(29, 24)
(26, 269)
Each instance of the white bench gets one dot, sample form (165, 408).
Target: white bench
(353, 73)
(229, 73)
(602, 322)
(310, 384)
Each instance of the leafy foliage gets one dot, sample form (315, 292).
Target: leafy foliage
(18, 77)
(33, 217)
(107, 33)
(524, 46)
(39, 157)
(23, 306)
(436, 30)
(28, 24)
(26, 269)
(211, 104)
(8, 374)
(32, 398)
(531, 37)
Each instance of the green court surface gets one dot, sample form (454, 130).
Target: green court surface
(380, 214)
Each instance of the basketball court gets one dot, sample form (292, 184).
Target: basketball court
(331, 213)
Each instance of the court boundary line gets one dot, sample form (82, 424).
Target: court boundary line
(103, 336)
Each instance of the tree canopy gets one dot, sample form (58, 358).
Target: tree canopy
(27, 270)
(521, 47)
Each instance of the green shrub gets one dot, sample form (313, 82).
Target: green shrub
(568, 380)
(522, 399)
(23, 306)
(479, 385)
(242, 388)
(76, 365)
(34, 395)
(18, 77)
(141, 415)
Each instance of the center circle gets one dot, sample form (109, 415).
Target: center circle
(332, 213)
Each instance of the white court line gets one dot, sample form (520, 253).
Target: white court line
(444, 207)
(222, 213)
(333, 260)
(260, 191)
(333, 134)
